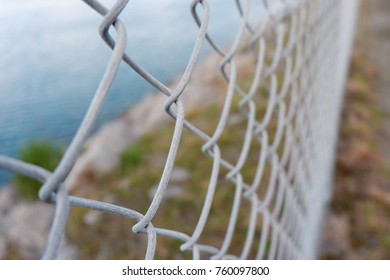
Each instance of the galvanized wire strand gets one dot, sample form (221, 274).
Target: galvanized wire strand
(70, 156)
(207, 202)
(295, 46)
(166, 173)
(122, 211)
(57, 229)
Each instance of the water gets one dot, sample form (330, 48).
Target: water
(52, 60)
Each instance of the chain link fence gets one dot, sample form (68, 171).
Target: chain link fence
(301, 51)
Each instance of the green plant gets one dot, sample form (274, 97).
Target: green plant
(42, 153)
(131, 157)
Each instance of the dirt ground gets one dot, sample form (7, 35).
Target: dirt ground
(377, 28)
(358, 226)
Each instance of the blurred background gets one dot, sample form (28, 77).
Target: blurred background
(359, 222)
(48, 74)
(53, 58)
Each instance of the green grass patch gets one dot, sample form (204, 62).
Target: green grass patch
(41, 153)
(131, 157)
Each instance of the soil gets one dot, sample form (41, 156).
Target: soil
(377, 30)
(358, 225)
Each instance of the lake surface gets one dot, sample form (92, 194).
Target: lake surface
(52, 60)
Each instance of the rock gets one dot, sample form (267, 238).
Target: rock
(104, 149)
(26, 228)
(124, 184)
(235, 119)
(8, 199)
(102, 154)
(180, 175)
(171, 192)
(335, 242)
(147, 115)
(68, 252)
(109, 198)
(3, 247)
(92, 217)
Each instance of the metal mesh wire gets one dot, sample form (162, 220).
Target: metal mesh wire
(301, 51)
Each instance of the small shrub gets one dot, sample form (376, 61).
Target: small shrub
(131, 157)
(42, 153)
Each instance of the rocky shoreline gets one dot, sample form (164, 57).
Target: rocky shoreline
(24, 225)
(105, 147)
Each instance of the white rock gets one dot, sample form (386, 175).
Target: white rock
(171, 192)
(92, 217)
(104, 149)
(102, 154)
(146, 116)
(180, 175)
(68, 252)
(26, 228)
(7, 199)
(3, 247)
